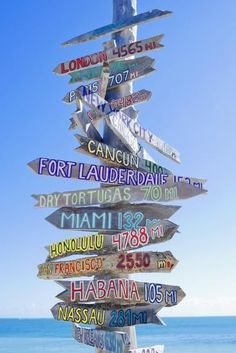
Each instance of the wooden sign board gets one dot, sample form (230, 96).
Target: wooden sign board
(101, 316)
(153, 349)
(116, 104)
(94, 101)
(116, 53)
(117, 194)
(105, 174)
(118, 157)
(118, 26)
(109, 264)
(120, 291)
(114, 81)
(132, 66)
(82, 121)
(108, 341)
(112, 218)
(156, 231)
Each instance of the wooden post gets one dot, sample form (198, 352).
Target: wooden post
(122, 9)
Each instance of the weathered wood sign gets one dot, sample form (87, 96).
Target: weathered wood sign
(108, 341)
(118, 157)
(113, 118)
(156, 231)
(114, 81)
(116, 194)
(120, 291)
(154, 349)
(116, 53)
(116, 68)
(116, 104)
(81, 120)
(118, 26)
(113, 218)
(109, 264)
(99, 315)
(105, 174)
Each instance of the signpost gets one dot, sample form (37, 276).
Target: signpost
(113, 218)
(118, 26)
(116, 69)
(100, 315)
(156, 231)
(116, 53)
(108, 341)
(120, 291)
(116, 104)
(128, 216)
(105, 174)
(116, 194)
(123, 262)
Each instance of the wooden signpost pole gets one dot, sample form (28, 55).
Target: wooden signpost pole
(122, 9)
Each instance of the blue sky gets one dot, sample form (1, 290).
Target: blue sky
(192, 108)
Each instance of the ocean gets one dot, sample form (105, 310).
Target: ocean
(181, 335)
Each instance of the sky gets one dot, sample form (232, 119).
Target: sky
(192, 108)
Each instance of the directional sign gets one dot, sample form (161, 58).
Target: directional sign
(116, 194)
(156, 231)
(99, 315)
(113, 218)
(123, 262)
(116, 53)
(105, 174)
(82, 120)
(132, 66)
(108, 341)
(118, 26)
(116, 104)
(114, 81)
(112, 155)
(115, 118)
(153, 349)
(120, 291)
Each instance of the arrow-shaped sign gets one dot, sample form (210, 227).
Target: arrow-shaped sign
(116, 53)
(109, 264)
(116, 118)
(105, 174)
(99, 315)
(108, 341)
(131, 66)
(156, 231)
(118, 157)
(82, 121)
(114, 81)
(118, 26)
(120, 291)
(116, 104)
(153, 349)
(113, 218)
(116, 194)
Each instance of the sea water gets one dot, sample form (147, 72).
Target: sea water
(181, 335)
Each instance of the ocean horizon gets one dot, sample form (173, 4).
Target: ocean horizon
(200, 334)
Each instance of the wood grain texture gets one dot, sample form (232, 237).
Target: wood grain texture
(156, 231)
(119, 263)
(120, 291)
(101, 316)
